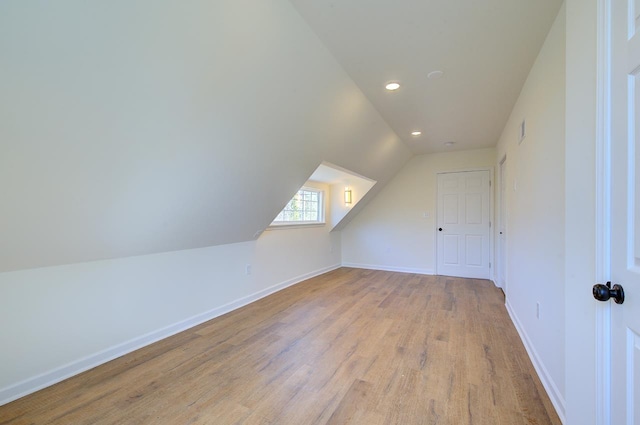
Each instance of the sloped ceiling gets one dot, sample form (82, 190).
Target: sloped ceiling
(485, 50)
(134, 127)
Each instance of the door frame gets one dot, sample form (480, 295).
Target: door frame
(492, 185)
(603, 211)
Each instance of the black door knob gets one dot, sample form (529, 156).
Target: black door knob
(605, 292)
(440, 229)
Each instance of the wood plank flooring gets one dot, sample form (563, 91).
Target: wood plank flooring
(348, 347)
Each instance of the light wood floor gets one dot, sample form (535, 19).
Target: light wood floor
(348, 347)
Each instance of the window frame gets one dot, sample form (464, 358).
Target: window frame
(304, 223)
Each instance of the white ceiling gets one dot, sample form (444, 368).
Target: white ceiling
(332, 174)
(485, 49)
(131, 128)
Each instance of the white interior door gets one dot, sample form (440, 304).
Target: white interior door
(625, 212)
(463, 224)
(502, 228)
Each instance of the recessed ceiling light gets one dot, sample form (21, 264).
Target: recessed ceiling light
(449, 144)
(434, 75)
(391, 86)
(416, 133)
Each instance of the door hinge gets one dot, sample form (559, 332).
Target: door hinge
(489, 183)
(489, 265)
(489, 224)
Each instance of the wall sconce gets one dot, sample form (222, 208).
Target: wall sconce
(347, 196)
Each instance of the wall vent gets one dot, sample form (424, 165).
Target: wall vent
(522, 131)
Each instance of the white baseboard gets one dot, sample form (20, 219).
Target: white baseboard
(389, 268)
(61, 373)
(549, 385)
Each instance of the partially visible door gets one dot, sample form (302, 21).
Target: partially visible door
(625, 210)
(463, 224)
(502, 228)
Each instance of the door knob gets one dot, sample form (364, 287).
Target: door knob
(440, 229)
(604, 292)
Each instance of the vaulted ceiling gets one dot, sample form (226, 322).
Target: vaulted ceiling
(484, 50)
(134, 127)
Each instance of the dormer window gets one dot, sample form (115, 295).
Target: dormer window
(306, 207)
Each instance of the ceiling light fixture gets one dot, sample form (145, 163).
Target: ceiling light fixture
(416, 133)
(449, 144)
(392, 86)
(434, 75)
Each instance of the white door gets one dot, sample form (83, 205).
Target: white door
(502, 228)
(625, 210)
(463, 225)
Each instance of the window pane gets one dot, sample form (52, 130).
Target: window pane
(305, 206)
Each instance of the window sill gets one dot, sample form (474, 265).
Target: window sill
(294, 226)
